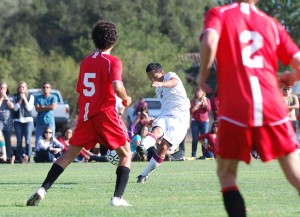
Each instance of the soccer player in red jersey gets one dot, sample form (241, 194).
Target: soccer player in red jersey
(100, 78)
(247, 44)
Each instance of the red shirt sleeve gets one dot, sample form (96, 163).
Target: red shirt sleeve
(212, 20)
(116, 71)
(287, 47)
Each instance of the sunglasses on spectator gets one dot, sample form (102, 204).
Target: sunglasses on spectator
(46, 87)
(286, 89)
(49, 132)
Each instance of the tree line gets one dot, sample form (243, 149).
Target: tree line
(45, 40)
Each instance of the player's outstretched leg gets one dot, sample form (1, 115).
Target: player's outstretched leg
(122, 172)
(55, 171)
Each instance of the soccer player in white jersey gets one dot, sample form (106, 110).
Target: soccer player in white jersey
(172, 123)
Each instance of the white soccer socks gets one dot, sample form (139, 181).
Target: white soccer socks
(148, 141)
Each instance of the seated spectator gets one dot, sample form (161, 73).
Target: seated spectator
(137, 151)
(48, 148)
(209, 151)
(88, 156)
(3, 156)
(65, 138)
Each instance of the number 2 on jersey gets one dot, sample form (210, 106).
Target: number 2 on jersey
(257, 42)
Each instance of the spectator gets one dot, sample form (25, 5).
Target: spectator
(44, 105)
(292, 103)
(48, 148)
(3, 156)
(23, 121)
(135, 144)
(141, 103)
(6, 121)
(142, 119)
(200, 107)
(215, 106)
(65, 138)
(88, 156)
(209, 151)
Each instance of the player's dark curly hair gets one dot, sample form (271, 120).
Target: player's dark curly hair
(154, 67)
(104, 34)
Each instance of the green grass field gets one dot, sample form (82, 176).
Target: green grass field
(188, 188)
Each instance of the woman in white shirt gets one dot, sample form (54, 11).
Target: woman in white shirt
(48, 148)
(23, 121)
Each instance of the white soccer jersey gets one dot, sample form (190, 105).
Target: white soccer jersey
(175, 115)
(174, 100)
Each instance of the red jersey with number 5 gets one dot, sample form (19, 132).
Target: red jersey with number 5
(250, 45)
(98, 71)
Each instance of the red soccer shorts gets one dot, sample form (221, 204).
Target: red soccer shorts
(270, 142)
(105, 128)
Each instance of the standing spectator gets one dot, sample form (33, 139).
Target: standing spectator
(44, 105)
(215, 106)
(141, 103)
(48, 148)
(6, 121)
(3, 156)
(200, 107)
(247, 44)
(100, 78)
(23, 121)
(292, 103)
(141, 120)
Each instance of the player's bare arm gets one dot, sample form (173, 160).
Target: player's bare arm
(121, 92)
(169, 84)
(208, 49)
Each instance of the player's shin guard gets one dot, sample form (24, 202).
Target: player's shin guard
(154, 162)
(234, 202)
(53, 174)
(148, 141)
(122, 180)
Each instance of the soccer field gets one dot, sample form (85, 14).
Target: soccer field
(188, 188)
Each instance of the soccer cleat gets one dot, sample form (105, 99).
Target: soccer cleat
(36, 198)
(118, 201)
(141, 179)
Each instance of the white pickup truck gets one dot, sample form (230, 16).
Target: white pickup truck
(62, 111)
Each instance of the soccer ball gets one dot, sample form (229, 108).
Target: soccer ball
(113, 157)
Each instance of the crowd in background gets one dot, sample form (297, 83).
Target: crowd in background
(15, 114)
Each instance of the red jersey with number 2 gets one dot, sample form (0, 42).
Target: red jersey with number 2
(97, 73)
(250, 45)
